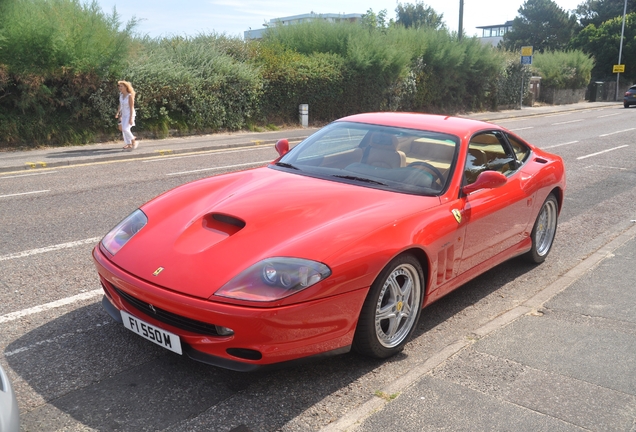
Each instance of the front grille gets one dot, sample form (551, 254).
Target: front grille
(169, 318)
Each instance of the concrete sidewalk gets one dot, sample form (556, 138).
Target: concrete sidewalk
(565, 360)
(73, 155)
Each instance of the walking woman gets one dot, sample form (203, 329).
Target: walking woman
(126, 112)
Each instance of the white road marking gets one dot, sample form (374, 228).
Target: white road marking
(606, 167)
(25, 193)
(27, 175)
(601, 152)
(212, 153)
(48, 306)
(617, 132)
(524, 128)
(609, 115)
(55, 339)
(566, 122)
(220, 168)
(559, 145)
(49, 249)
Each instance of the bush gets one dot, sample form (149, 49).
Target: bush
(563, 69)
(292, 79)
(54, 56)
(190, 84)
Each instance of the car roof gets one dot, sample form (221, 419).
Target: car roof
(430, 122)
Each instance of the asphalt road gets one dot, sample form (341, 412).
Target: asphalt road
(74, 369)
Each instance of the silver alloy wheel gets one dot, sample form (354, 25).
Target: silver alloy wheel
(395, 312)
(546, 227)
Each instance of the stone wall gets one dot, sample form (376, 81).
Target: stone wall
(562, 97)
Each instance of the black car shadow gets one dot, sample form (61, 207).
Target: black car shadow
(106, 378)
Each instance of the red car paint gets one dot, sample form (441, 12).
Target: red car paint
(355, 230)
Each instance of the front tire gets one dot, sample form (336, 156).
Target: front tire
(626, 105)
(544, 230)
(391, 310)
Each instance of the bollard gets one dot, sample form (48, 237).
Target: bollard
(303, 114)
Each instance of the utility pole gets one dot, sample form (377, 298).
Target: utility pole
(620, 51)
(460, 31)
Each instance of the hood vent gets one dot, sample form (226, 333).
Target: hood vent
(229, 220)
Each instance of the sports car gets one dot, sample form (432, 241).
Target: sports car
(338, 244)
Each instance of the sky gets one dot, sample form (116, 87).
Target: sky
(162, 18)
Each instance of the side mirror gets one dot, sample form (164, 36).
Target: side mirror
(486, 180)
(282, 147)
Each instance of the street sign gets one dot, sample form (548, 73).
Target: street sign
(618, 69)
(526, 55)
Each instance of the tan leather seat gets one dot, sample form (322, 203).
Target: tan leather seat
(383, 152)
(475, 164)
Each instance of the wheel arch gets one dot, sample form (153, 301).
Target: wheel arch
(558, 193)
(421, 256)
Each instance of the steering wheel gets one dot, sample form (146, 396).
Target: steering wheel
(439, 177)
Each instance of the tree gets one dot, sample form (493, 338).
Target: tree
(603, 43)
(419, 15)
(541, 24)
(598, 11)
(375, 21)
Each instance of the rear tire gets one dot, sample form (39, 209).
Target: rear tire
(626, 105)
(544, 230)
(391, 310)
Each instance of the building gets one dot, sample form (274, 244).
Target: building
(493, 34)
(297, 19)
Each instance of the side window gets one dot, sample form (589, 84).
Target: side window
(521, 151)
(488, 152)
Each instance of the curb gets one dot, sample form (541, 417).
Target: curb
(356, 416)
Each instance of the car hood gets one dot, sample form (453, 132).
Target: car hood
(204, 233)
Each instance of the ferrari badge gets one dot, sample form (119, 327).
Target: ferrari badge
(458, 215)
(159, 270)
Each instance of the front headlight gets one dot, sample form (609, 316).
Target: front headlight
(274, 279)
(119, 236)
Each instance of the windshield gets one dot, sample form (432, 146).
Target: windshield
(398, 159)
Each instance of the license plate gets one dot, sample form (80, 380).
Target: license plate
(154, 334)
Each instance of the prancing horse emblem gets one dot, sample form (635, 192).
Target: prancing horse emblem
(457, 214)
(159, 270)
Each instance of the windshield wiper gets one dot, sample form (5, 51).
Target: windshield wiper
(286, 165)
(361, 179)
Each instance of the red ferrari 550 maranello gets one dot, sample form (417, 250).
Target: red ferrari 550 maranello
(337, 244)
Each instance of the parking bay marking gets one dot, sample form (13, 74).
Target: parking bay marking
(220, 168)
(211, 153)
(52, 305)
(49, 249)
(56, 339)
(25, 193)
(601, 152)
(567, 122)
(559, 145)
(617, 132)
(523, 128)
(27, 175)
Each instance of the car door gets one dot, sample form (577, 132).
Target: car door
(495, 218)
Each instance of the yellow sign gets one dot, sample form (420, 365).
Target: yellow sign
(526, 51)
(618, 69)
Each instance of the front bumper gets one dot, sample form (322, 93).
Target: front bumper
(262, 336)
